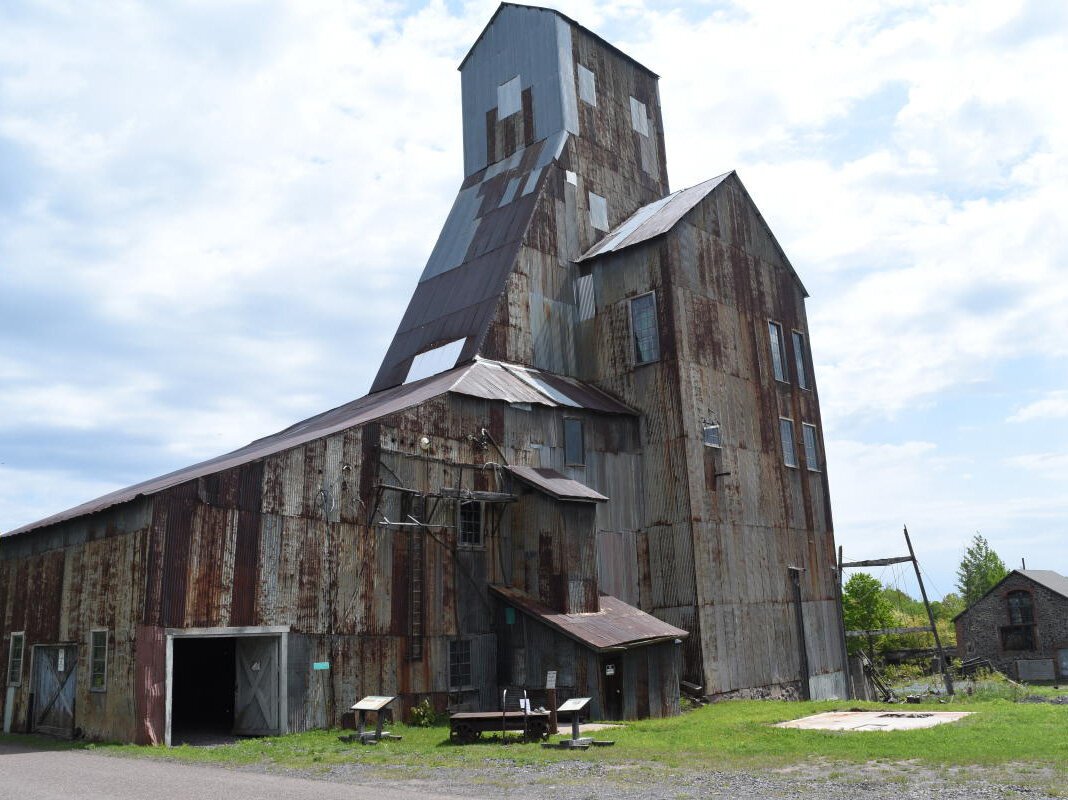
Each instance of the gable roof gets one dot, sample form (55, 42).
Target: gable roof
(661, 216)
(489, 380)
(1051, 580)
(509, 6)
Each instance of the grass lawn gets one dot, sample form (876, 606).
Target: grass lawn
(723, 736)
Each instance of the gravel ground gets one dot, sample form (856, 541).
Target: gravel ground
(583, 780)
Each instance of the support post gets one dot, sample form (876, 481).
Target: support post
(802, 647)
(850, 694)
(930, 616)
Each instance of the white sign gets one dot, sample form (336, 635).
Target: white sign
(61, 660)
(550, 679)
(609, 669)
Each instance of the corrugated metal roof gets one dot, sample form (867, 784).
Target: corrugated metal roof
(467, 272)
(556, 485)
(506, 6)
(1053, 581)
(489, 380)
(654, 219)
(616, 625)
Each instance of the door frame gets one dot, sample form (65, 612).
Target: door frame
(281, 632)
(31, 725)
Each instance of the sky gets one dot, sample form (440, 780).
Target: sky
(212, 216)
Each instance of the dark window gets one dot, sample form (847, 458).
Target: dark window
(14, 658)
(711, 435)
(799, 359)
(1018, 637)
(459, 664)
(1021, 609)
(789, 450)
(471, 522)
(643, 329)
(778, 351)
(574, 445)
(808, 433)
(98, 664)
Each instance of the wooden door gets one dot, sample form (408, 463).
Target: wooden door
(55, 669)
(613, 688)
(257, 686)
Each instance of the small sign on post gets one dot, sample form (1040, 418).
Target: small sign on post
(550, 679)
(320, 665)
(550, 698)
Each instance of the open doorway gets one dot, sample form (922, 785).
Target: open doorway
(202, 690)
(225, 682)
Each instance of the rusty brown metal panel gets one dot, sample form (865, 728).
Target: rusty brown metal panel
(177, 506)
(150, 683)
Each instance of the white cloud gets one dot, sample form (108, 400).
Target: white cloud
(1053, 406)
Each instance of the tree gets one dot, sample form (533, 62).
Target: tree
(979, 570)
(865, 607)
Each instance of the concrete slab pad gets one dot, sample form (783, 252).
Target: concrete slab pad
(874, 720)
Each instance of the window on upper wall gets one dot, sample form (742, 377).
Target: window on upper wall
(789, 449)
(808, 434)
(15, 651)
(1021, 608)
(587, 85)
(460, 664)
(574, 444)
(800, 360)
(778, 351)
(711, 434)
(643, 329)
(470, 523)
(98, 660)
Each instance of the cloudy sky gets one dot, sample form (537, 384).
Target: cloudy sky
(212, 216)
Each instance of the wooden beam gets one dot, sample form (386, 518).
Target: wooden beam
(877, 562)
(891, 631)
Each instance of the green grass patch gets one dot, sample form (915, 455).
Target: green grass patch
(723, 736)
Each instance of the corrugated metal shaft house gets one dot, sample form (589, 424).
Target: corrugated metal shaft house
(593, 447)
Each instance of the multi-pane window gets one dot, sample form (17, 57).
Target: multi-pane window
(643, 329)
(1021, 608)
(471, 523)
(786, 433)
(711, 435)
(778, 351)
(14, 658)
(98, 660)
(799, 359)
(574, 446)
(808, 433)
(459, 663)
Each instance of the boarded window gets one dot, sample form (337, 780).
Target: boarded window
(98, 660)
(509, 98)
(598, 212)
(460, 664)
(711, 435)
(643, 329)
(799, 359)
(639, 119)
(786, 433)
(471, 523)
(14, 658)
(574, 446)
(808, 433)
(778, 352)
(587, 83)
(1021, 608)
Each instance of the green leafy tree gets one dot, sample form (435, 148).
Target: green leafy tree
(979, 570)
(865, 608)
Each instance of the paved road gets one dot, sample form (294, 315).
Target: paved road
(77, 775)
